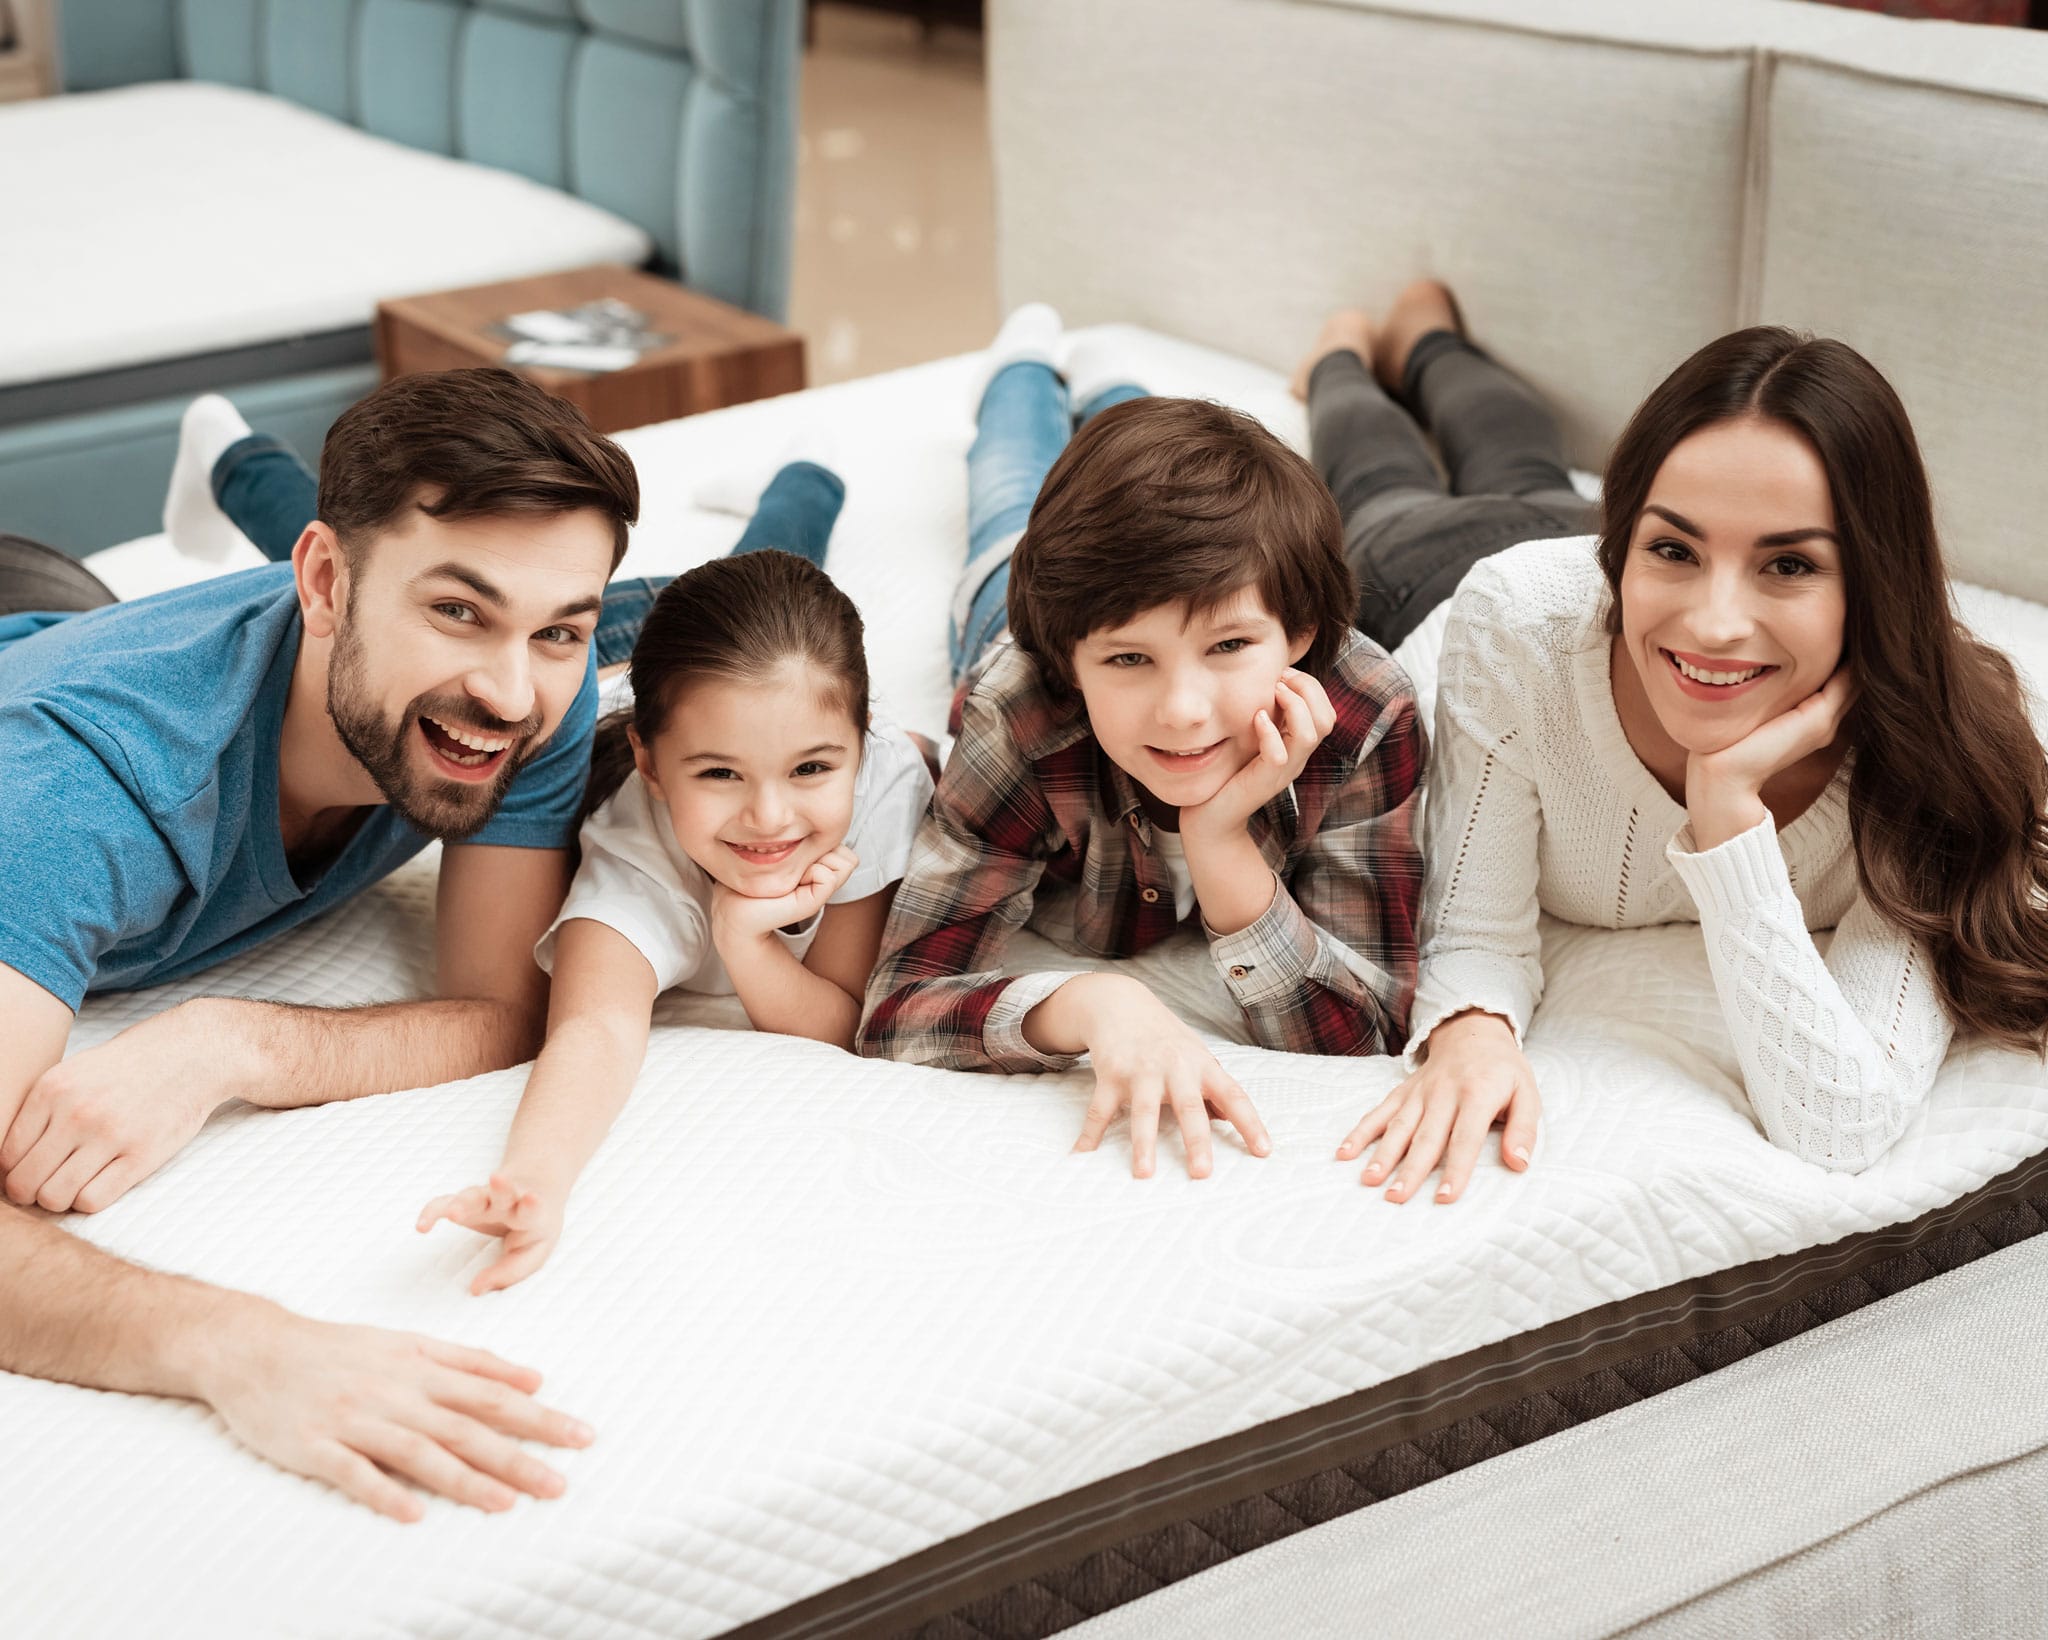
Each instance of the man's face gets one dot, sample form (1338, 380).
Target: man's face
(1172, 696)
(459, 647)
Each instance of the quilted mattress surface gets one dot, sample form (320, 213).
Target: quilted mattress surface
(173, 172)
(826, 1312)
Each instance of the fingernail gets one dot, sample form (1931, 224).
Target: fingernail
(581, 1432)
(1521, 1153)
(1444, 1194)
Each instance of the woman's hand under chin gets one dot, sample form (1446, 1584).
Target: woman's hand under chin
(1724, 789)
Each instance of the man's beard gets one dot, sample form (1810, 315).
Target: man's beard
(449, 810)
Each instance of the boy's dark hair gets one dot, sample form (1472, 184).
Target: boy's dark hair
(1162, 501)
(468, 444)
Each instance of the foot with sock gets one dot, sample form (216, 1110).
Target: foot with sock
(192, 518)
(736, 486)
(1031, 334)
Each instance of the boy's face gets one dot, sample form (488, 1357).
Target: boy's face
(1171, 696)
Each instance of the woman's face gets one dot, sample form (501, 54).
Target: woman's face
(1732, 599)
(758, 777)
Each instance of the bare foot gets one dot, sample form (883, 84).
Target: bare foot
(1348, 330)
(1423, 306)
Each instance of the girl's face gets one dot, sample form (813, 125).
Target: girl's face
(757, 777)
(1732, 598)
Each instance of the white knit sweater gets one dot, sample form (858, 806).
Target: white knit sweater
(1537, 802)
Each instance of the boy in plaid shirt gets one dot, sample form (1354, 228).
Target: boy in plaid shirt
(1185, 725)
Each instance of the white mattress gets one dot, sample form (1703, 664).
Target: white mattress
(221, 217)
(827, 1312)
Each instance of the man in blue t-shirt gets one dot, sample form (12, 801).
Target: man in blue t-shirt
(189, 775)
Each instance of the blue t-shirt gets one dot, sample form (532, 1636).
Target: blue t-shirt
(139, 836)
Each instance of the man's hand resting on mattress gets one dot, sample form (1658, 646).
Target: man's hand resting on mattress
(1147, 1059)
(358, 1406)
(103, 1120)
(1473, 1077)
(526, 1214)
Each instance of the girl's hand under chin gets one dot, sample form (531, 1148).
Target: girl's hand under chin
(1724, 789)
(739, 916)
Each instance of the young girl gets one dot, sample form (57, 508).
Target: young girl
(1748, 703)
(744, 834)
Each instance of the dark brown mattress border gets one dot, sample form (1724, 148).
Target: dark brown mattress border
(1073, 1557)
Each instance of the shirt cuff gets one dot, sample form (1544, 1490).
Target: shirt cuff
(1002, 1035)
(1266, 961)
(1727, 881)
(1433, 1010)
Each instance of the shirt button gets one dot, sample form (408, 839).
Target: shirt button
(1238, 970)
(1149, 895)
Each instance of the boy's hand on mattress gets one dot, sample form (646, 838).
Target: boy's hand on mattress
(1724, 789)
(1300, 717)
(527, 1216)
(1147, 1059)
(358, 1407)
(739, 916)
(1474, 1076)
(100, 1122)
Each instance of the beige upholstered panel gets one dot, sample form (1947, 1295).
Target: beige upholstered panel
(1911, 220)
(1227, 170)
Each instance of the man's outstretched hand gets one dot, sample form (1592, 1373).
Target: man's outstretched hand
(359, 1407)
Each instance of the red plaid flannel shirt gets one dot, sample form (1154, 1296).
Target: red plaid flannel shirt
(1030, 807)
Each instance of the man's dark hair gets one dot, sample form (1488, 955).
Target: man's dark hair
(468, 444)
(1177, 501)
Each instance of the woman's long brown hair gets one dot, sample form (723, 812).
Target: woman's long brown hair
(736, 618)
(1948, 792)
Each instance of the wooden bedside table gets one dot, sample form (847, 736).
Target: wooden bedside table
(720, 355)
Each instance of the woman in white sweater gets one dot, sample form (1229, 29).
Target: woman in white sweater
(1746, 702)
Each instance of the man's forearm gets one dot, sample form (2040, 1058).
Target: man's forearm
(71, 1312)
(285, 1056)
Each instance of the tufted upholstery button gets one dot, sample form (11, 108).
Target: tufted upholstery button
(1149, 895)
(1238, 970)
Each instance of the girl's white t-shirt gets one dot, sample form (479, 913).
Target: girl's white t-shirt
(635, 877)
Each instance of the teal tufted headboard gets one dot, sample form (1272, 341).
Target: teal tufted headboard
(679, 115)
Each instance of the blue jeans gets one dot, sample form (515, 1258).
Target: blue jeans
(1023, 424)
(267, 491)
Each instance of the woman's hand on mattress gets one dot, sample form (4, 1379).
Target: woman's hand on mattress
(1147, 1059)
(100, 1122)
(358, 1407)
(740, 916)
(1724, 789)
(1473, 1077)
(1300, 717)
(525, 1214)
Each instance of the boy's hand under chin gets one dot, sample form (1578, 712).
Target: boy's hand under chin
(1300, 717)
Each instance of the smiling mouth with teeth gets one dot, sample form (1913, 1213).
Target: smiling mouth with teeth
(466, 748)
(1720, 679)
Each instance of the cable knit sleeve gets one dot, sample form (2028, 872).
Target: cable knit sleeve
(1837, 1053)
(1483, 815)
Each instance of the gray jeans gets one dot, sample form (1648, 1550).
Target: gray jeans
(1409, 538)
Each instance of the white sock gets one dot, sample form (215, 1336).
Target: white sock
(192, 518)
(1092, 361)
(1032, 332)
(737, 485)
